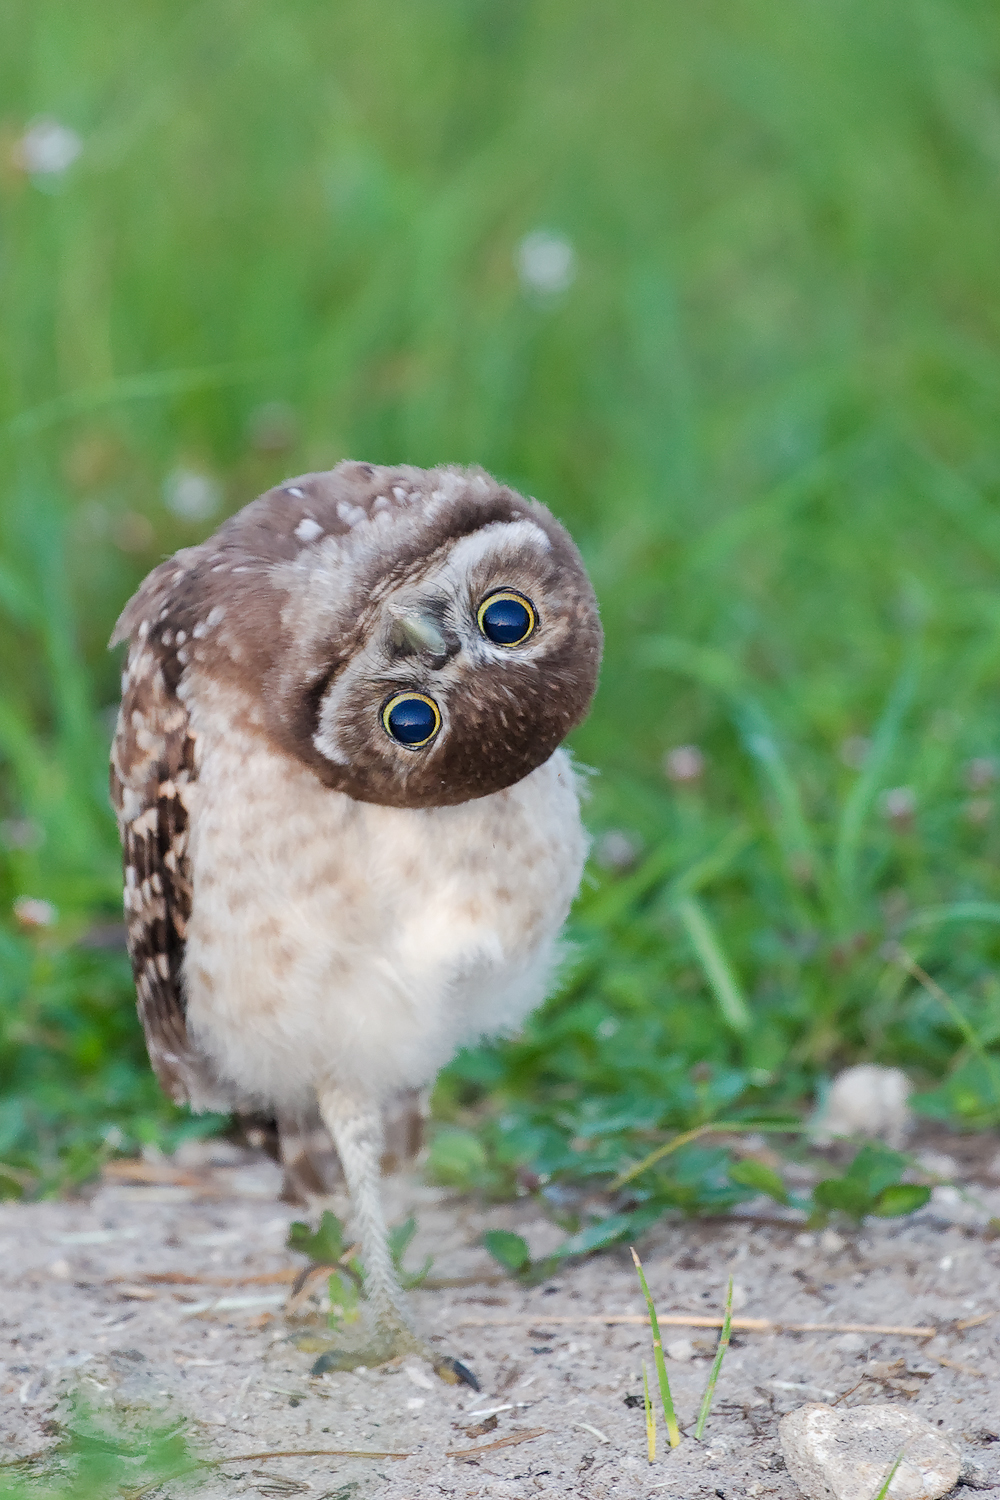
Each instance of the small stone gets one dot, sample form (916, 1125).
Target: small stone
(831, 1243)
(680, 1349)
(846, 1455)
(976, 1476)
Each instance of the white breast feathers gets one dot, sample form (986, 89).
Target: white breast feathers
(332, 939)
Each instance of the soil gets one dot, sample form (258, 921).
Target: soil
(83, 1310)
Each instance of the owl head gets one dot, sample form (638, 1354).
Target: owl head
(418, 637)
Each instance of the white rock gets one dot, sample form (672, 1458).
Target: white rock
(846, 1455)
(418, 1376)
(851, 1343)
(680, 1349)
(867, 1100)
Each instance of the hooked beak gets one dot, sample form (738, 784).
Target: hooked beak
(415, 632)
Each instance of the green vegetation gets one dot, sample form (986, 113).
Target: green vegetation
(100, 1454)
(666, 1398)
(763, 391)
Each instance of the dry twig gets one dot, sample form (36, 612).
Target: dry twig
(504, 1442)
(685, 1320)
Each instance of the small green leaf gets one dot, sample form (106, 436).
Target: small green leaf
(875, 1167)
(596, 1236)
(754, 1174)
(509, 1249)
(399, 1239)
(843, 1195)
(324, 1245)
(456, 1158)
(900, 1198)
(344, 1295)
(9, 1188)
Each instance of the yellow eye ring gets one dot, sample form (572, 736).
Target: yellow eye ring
(405, 719)
(506, 618)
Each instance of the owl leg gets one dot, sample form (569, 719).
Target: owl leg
(356, 1127)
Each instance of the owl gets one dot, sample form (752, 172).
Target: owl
(350, 835)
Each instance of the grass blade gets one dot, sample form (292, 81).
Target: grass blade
(727, 1127)
(673, 1432)
(865, 790)
(723, 1345)
(953, 911)
(791, 828)
(890, 1476)
(650, 1416)
(718, 971)
(973, 1040)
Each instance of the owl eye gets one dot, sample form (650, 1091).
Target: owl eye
(411, 719)
(506, 618)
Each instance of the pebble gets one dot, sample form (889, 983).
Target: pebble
(976, 1476)
(846, 1455)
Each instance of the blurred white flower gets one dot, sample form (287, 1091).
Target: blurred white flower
(899, 804)
(854, 751)
(272, 427)
(133, 532)
(30, 911)
(981, 773)
(615, 850)
(684, 763)
(20, 833)
(865, 1100)
(545, 262)
(978, 810)
(47, 148)
(191, 495)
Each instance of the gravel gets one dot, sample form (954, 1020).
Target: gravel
(82, 1311)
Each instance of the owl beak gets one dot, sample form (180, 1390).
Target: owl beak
(419, 633)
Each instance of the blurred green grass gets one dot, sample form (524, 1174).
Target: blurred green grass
(767, 404)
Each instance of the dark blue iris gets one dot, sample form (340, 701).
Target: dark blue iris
(505, 621)
(411, 721)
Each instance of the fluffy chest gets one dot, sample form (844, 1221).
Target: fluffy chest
(339, 940)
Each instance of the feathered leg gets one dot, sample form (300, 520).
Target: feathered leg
(356, 1127)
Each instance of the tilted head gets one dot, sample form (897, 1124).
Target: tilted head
(417, 637)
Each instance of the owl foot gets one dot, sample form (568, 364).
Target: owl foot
(385, 1348)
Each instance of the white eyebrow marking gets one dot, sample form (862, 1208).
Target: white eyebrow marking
(294, 490)
(308, 530)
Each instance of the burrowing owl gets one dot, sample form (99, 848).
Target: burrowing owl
(350, 835)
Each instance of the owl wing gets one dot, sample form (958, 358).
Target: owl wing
(153, 775)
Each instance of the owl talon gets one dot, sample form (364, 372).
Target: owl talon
(446, 1367)
(453, 1372)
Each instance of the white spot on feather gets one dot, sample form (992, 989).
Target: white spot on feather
(308, 530)
(350, 514)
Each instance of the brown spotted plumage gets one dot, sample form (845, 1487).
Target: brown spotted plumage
(152, 772)
(320, 909)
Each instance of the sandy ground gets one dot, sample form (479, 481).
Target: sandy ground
(82, 1309)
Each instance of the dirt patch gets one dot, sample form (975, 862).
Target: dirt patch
(83, 1308)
